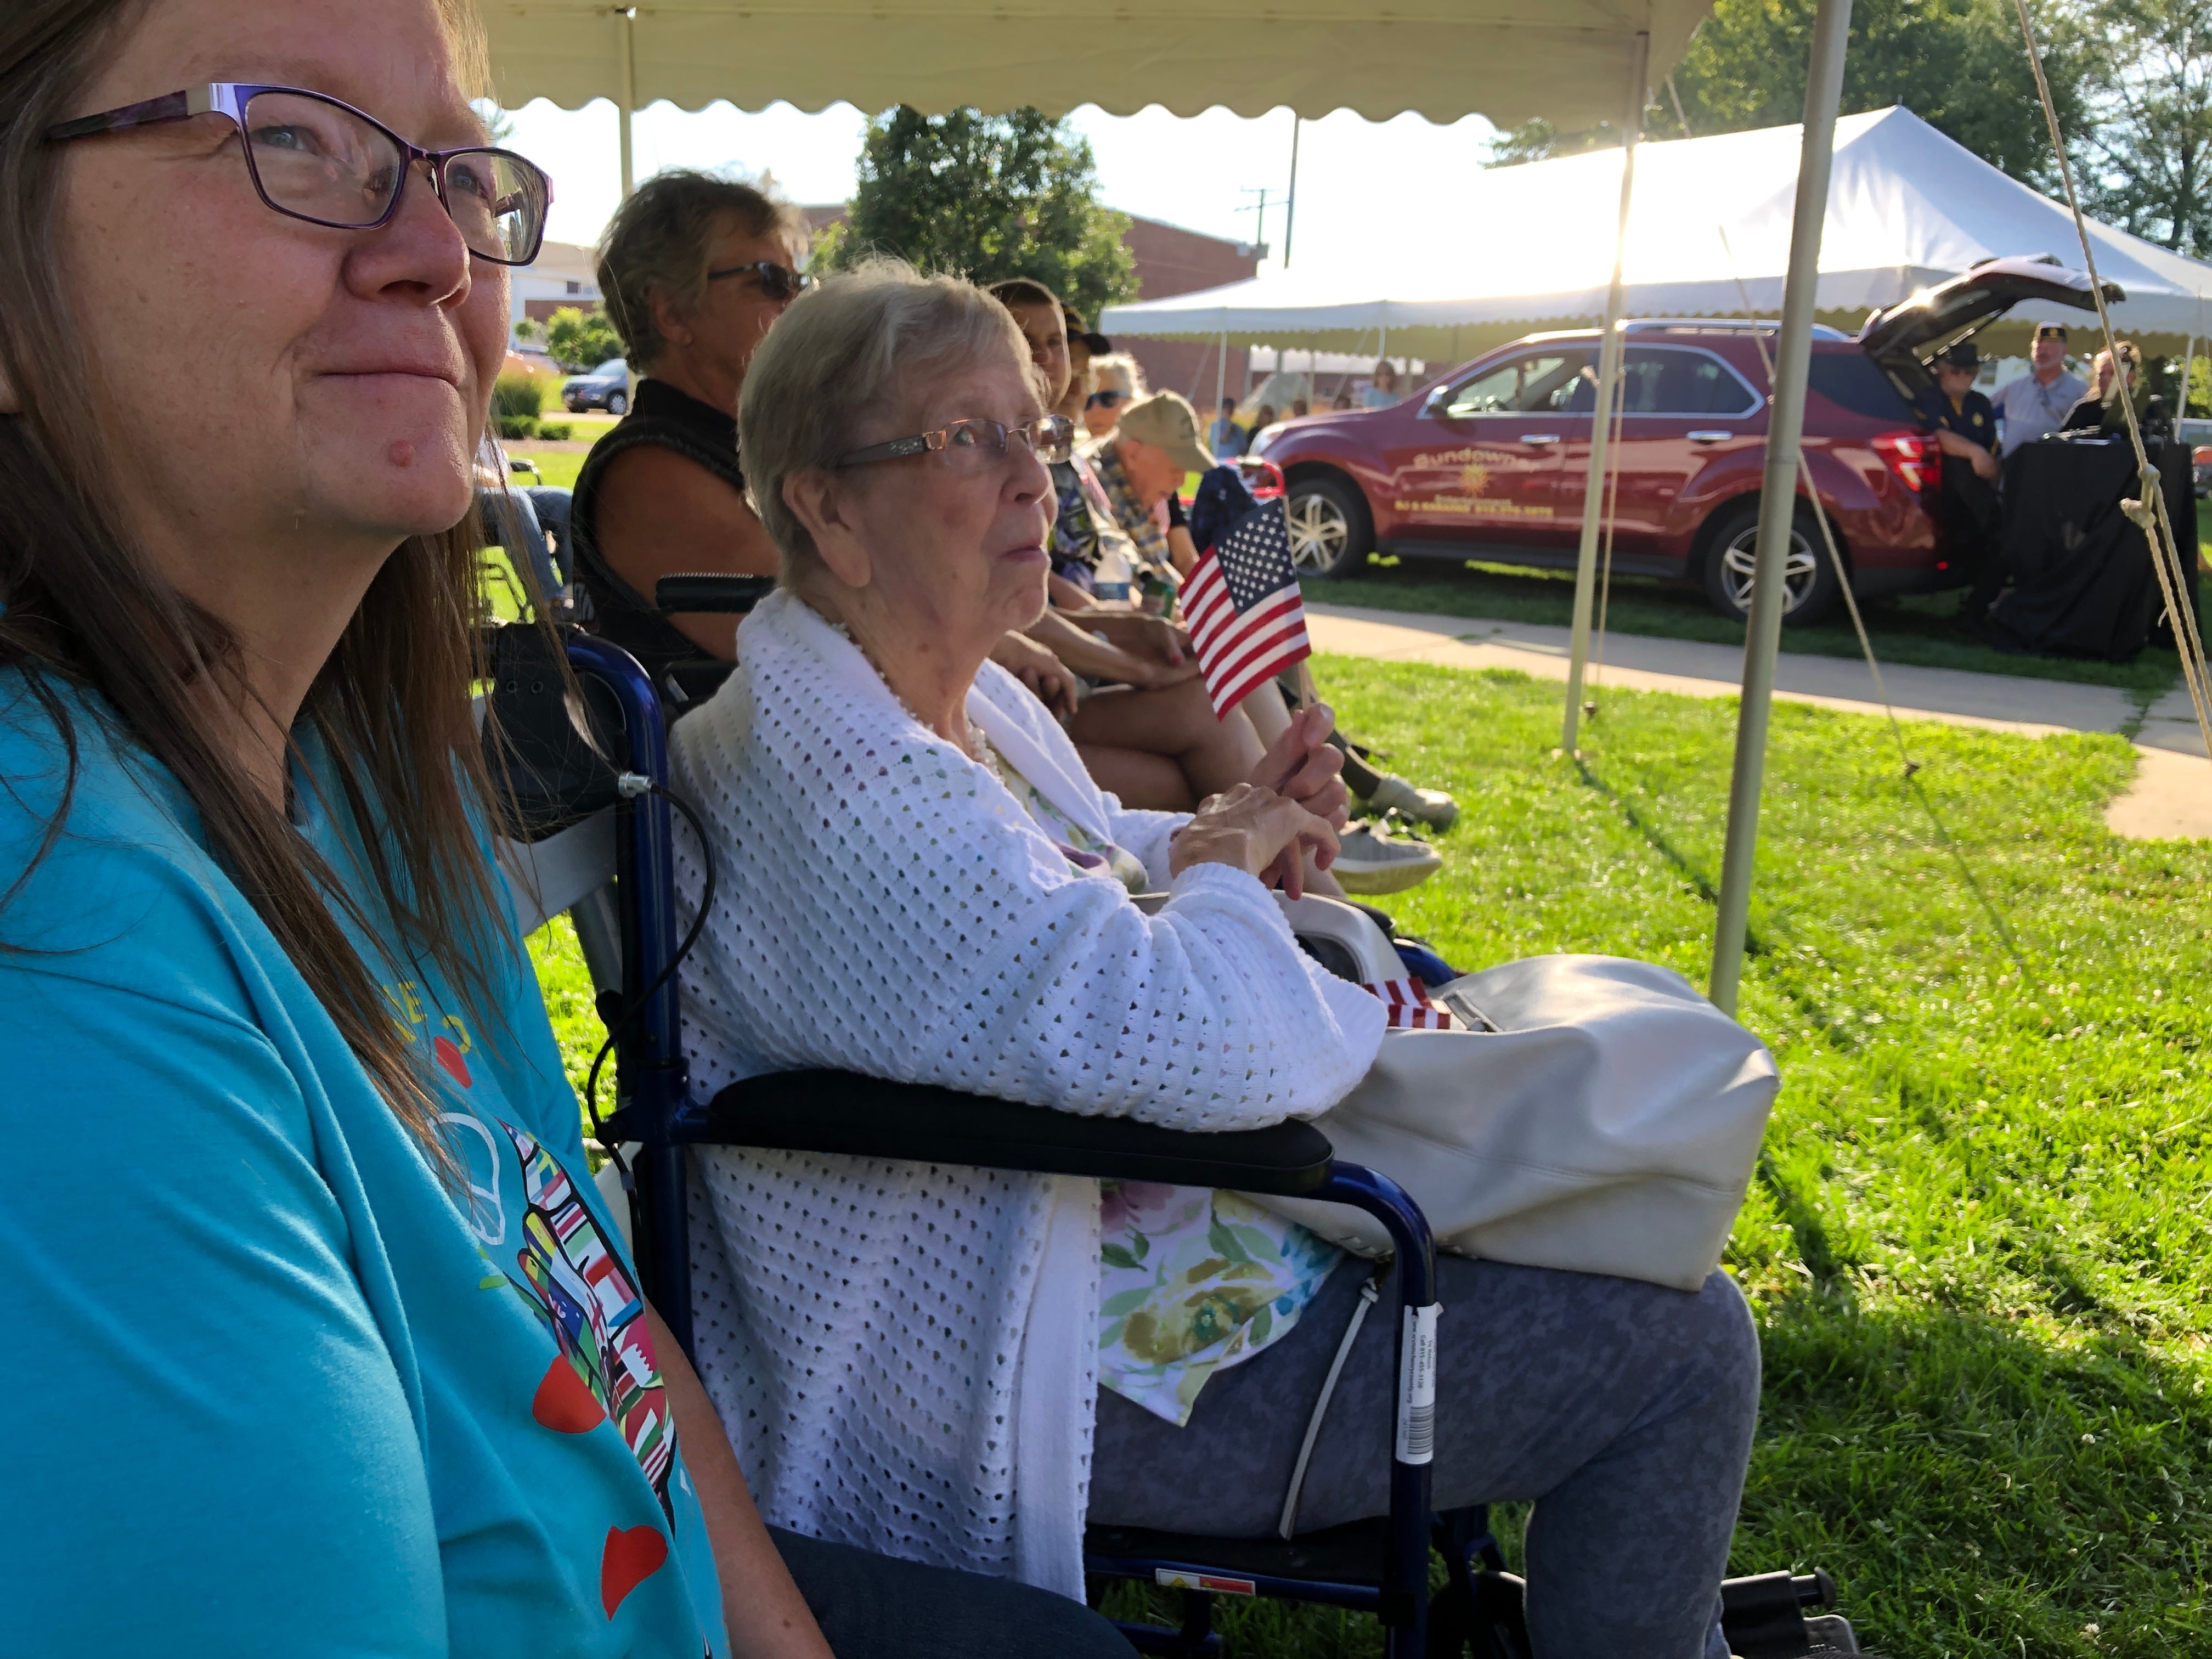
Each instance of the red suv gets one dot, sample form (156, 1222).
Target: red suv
(1491, 461)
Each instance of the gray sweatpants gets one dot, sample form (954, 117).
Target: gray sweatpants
(1623, 1409)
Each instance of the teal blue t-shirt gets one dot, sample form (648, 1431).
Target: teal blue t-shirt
(280, 1389)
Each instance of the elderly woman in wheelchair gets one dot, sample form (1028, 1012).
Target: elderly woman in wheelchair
(918, 881)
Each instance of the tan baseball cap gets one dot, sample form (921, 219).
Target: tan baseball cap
(1166, 421)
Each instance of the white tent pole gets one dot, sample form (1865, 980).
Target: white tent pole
(1608, 379)
(629, 27)
(1777, 500)
(1290, 208)
(1221, 387)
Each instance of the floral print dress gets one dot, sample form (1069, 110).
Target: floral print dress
(1192, 1280)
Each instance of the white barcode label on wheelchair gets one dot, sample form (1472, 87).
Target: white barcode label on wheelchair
(1417, 1386)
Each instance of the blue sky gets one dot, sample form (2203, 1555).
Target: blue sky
(1364, 186)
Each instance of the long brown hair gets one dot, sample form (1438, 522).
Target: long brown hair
(87, 610)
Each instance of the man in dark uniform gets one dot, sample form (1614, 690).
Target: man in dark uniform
(1966, 428)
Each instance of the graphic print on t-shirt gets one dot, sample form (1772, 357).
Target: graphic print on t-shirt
(563, 1267)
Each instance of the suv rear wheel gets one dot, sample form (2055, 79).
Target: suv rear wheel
(1331, 534)
(617, 404)
(1810, 589)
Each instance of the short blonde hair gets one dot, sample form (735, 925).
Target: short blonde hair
(1119, 372)
(657, 243)
(851, 345)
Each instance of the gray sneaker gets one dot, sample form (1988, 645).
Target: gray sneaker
(1373, 861)
(1430, 807)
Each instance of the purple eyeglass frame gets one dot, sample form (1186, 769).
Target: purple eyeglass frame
(228, 98)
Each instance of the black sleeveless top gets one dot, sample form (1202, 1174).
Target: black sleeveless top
(665, 418)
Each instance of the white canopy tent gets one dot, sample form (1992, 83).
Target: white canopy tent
(1531, 247)
(1566, 60)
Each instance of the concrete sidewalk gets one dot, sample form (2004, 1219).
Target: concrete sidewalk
(2172, 794)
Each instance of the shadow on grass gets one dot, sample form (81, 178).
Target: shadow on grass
(1648, 827)
(1916, 629)
(1982, 1485)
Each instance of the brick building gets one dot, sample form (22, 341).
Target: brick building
(1170, 260)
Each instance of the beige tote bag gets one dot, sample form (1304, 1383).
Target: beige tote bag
(1588, 1112)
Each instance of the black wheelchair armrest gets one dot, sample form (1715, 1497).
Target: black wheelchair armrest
(843, 1112)
(705, 591)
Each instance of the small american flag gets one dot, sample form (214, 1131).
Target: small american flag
(1406, 1002)
(1241, 606)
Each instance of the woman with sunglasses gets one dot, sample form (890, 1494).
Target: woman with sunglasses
(339, 1352)
(695, 269)
(1116, 381)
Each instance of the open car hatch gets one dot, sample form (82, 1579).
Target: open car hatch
(1904, 338)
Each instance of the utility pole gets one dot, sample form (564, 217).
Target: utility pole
(1259, 207)
(1290, 206)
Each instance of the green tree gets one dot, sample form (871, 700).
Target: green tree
(578, 340)
(1959, 65)
(2147, 159)
(988, 196)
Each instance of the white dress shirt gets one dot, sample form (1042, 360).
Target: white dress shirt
(2029, 408)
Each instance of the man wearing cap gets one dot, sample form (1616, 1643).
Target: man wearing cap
(1965, 421)
(2036, 402)
(1965, 428)
(1142, 467)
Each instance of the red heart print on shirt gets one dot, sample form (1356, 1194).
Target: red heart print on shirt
(564, 1402)
(629, 1559)
(449, 1056)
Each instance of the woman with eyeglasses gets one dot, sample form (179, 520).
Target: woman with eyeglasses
(334, 1348)
(695, 269)
(929, 888)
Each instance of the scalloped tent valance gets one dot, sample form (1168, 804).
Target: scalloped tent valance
(1567, 61)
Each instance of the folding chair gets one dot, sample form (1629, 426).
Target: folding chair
(596, 802)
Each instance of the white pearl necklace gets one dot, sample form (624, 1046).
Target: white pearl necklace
(978, 747)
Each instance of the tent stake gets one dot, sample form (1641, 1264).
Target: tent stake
(1609, 376)
(1778, 500)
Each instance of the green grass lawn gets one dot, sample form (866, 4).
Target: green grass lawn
(558, 469)
(1978, 1243)
(1915, 628)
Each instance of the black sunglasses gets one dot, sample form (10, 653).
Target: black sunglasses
(1105, 400)
(314, 158)
(776, 282)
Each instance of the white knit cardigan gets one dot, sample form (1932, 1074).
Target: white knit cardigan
(906, 1355)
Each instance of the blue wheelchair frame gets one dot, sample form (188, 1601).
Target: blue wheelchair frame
(656, 1110)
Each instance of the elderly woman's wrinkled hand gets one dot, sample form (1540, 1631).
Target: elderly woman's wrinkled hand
(1302, 766)
(1258, 831)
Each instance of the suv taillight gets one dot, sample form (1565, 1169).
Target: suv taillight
(1915, 457)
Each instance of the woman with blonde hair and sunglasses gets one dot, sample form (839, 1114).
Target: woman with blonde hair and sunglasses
(695, 269)
(338, 1352)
